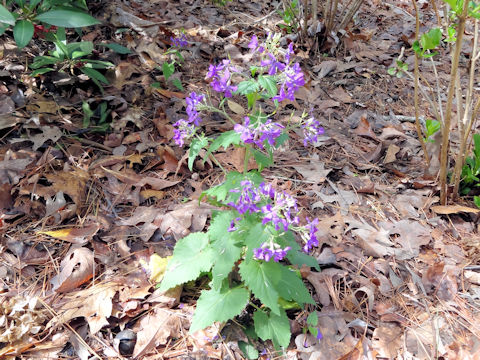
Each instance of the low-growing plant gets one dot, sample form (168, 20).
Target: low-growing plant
(251, 251)
(70, 57)
(290, 16)
(26, 17)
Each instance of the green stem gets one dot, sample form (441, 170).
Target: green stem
(248, 152)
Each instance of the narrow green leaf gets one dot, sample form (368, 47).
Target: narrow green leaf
(23, 33)
(67, 18)
(41, 61)
(41, 71)
(94, 74)
(218, 305)
(192, 255)
(261, 278)
(273, 327)
(6, 16)
(119, 49)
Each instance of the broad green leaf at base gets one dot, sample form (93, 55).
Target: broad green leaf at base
(273, 327)
(218, 305)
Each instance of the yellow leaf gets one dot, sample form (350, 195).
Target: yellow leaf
(63, 234)
(157, 267)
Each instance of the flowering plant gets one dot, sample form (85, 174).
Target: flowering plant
(251, 251)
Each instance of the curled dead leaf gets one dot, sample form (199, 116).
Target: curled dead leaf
(75, 269)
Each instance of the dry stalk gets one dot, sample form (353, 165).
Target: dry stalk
(468, 118)
(416, 74)
(448, 112)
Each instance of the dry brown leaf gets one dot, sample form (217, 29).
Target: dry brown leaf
(78, 236)
(52, 133)
(236, 108)
(94, 304)
(453, 209)
(76, 268)
(313, 172)
(391, 155)
(72, 183)
(440, 281)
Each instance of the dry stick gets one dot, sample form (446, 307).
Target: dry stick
(415, 96)
(314, 11)
(448, 112)
(437, 14)
(468, 119)
(350, 14)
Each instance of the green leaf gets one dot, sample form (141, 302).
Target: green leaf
(23, 33)
(296, 255)
(67, 18)
(178, 84)
(291, 287)
(168, 70)
(6, 16)
(224, 140)
(225, 245)
(476, 200)
(98, 64)
(41, 71)
(269, 84)
(248, 350)
(312, 319)
(218, 305)
(273, 327)
(261, 278)
(431, 39)
(247, 87)
(119, 49)
(456, 5)
(263, 161)
(195, 147)
(251, 98)
(432, 126)
(40, 61)
(192, 256)
(392, 71)
(94, 74)
(232, 181)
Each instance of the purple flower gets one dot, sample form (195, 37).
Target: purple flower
(273, 63)
(311, 131)
(270, 250)
(192, 102)
(220, 77)
(182, 131)
(247, 202)
(179, 42)
(311, 238)
(288, 53)
(259, 132)
(253, 44)
(290, 80)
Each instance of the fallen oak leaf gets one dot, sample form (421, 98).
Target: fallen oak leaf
(78, 236)
(76, 268)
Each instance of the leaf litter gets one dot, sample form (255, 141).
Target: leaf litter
(89, 219)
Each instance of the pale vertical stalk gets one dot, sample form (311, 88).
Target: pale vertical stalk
(448, 112)
(415, 96)
(439, 93)
(314, 11)
(437, 14)
(467, 121)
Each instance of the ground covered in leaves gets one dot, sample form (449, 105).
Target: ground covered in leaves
(88, 215)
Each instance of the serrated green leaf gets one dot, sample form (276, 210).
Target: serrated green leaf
(261, 278)
(269, 84)
(192, 256)
(67, 18)
(273, 327)
(119, 49)
(218, 305)
(226, 247)
(312, 319)
(23, 33)
(247, 87)
(195, 147)
(248, 350)
(296, 256)
(431, 39)
(263, 161)
(178, 84)
(224, 140)
(94, 74)
(168, 69)
(6, 16)
(291, 287)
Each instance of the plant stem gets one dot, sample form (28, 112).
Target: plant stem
(415, 96)
(448, 112)
(247, 158)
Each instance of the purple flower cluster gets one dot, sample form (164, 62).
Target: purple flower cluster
(179, 42)
(311, 131)
(278, 208)
(220, 77)
(185, 129)
(270, 250)
(251, 134)
(291, 79)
